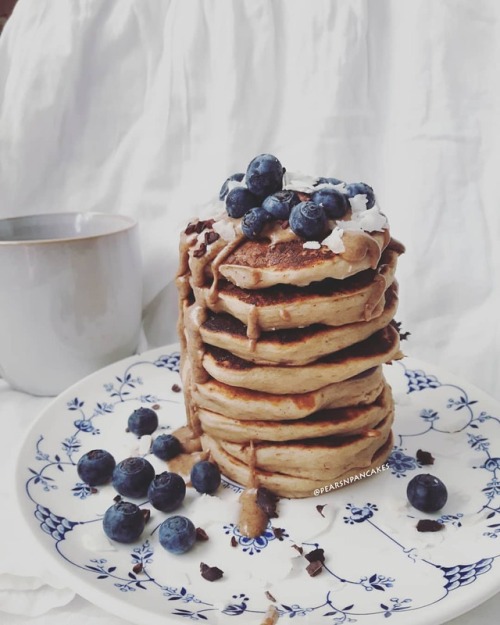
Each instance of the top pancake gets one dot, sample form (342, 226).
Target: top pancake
(256, 264)
(269, 261)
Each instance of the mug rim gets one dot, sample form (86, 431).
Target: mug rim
(128, 223)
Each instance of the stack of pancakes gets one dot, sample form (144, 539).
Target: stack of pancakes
(282, 349)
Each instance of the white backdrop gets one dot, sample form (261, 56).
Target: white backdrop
(144, 107)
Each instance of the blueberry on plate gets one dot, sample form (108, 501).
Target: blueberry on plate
(177, 534)
(360, 188)
(225, 187)
(308, 220)
(264, 175)
(328, 181)
(132, 477)
(334, 203)
(96, 467)
(280, 204)
(166, 446)
(123, 522)
(205, 477)
(143, 421)
(239, 201)
(254, 221)
(426, 493)
(167, 491)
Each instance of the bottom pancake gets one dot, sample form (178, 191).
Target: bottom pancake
(287, 485)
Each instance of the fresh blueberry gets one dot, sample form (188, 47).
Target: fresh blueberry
(239, 201)
(225, 187)
(280, 204)
(166, 446)
(177, 534)
(308, 220)
(264, 175)
(96, 467)
(132, 477)
(328, 181)
(205, 477)
(360, 188)
(426, 492)
(334, 202)
(167, 491)
(254, 221)
(124, 522)
(143, 421)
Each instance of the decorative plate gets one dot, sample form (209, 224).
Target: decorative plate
(376, 563)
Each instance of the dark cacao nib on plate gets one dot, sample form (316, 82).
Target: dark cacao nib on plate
(267, 502)
(429, 525)
(425, 457)
(210, 573)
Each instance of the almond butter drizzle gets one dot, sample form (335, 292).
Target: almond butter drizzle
(253, 329)
(183, 463)
(253, 520)
(226, 251)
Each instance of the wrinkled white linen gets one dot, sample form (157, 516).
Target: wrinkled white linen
(144, 107)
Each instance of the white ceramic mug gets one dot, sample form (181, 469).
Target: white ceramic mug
(70, 297)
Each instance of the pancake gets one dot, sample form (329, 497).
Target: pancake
(314, 458)
(297, 346)
(245, 404)
(331, 302)
(381, 347)
(324, 423)
(257, 264)
(286, 485)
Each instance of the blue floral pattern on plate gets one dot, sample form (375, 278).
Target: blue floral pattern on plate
(373, 553)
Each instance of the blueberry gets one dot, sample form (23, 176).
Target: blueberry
(132, 477)
(426, 492)
(254, 221)
(177, 534)
(308, 220)
(124, 522)
(225, 187)
(166, 446)
(205, 477)
(239, 201)
(334, 202)
(96, 467)
(280, 204)
(358, 188)
(328, 181)
(167, 491)
(143, 421)
(264, 175)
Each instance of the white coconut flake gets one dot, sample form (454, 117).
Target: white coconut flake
(328, 185)
(311, 245)
(225, 229)
(144, 444)
(370, 220)
(334, 241)
(358, 203)
(297, 181)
